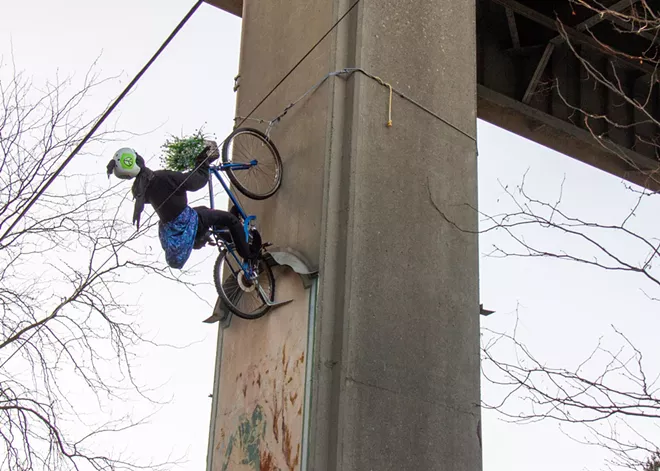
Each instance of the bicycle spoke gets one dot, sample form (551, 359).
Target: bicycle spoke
(245, 298)
(230, 285)
(261, 179)
(245, 148)
(247, 152)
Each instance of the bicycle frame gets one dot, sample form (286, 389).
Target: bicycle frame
(250, 270)
(215, 170)
(247, 219)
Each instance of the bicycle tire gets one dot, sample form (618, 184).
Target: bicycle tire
(270, 159)
(222, 286)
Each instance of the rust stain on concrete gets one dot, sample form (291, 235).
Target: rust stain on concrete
(267, 358)
(267, 462)
(291, 461)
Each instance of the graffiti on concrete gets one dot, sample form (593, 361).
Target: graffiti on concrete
(269, 437)
(243, 447)
(259, 420)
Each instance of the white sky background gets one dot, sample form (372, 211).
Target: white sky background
(564, 308)
(191, 84)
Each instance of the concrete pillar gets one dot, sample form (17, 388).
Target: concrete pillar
(392, 340)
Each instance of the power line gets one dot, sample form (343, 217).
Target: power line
(101, 119)
(84, 141)
(332, 28)
(185, 19)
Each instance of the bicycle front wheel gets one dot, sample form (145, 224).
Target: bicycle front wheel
(252, 147)
(240, 295)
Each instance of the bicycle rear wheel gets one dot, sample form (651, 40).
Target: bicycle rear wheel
(245, 145)
(241, 296)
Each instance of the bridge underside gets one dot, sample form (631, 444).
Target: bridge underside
(532, 64)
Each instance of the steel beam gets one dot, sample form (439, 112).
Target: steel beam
(564, 137)
(598, 18)
(572, 33)
(513, 28)
(625, 25)
(557, 40)
(533, 83)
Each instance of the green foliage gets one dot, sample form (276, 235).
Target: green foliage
(180, 152)
(652, 463)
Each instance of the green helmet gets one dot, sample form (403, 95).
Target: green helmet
(126, 163)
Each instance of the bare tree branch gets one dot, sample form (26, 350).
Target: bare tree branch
(67, 335)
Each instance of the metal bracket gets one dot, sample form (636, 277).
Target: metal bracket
(272, 304)
(484, 312)
(220, 314)
(286, 256)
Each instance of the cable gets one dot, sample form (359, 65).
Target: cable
(350, 71)
(107, 113)
(332, 28)
(347, 72)
(135, 80)
(102, 119)
(84, 141)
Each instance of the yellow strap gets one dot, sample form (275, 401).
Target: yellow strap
(385, 84)
(389, 121)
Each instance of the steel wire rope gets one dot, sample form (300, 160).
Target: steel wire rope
(101, 120)
(348, 71)
(277, 85)
(107, 113)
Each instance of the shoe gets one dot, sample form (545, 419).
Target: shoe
(202, 241)
(255, 242)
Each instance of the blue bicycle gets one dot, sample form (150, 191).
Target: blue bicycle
(254, 167)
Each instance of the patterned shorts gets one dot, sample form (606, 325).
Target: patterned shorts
(177, 237)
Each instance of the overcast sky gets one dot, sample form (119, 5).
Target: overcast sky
(563, 309)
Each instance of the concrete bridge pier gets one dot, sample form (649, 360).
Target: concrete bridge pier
(376, 366)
